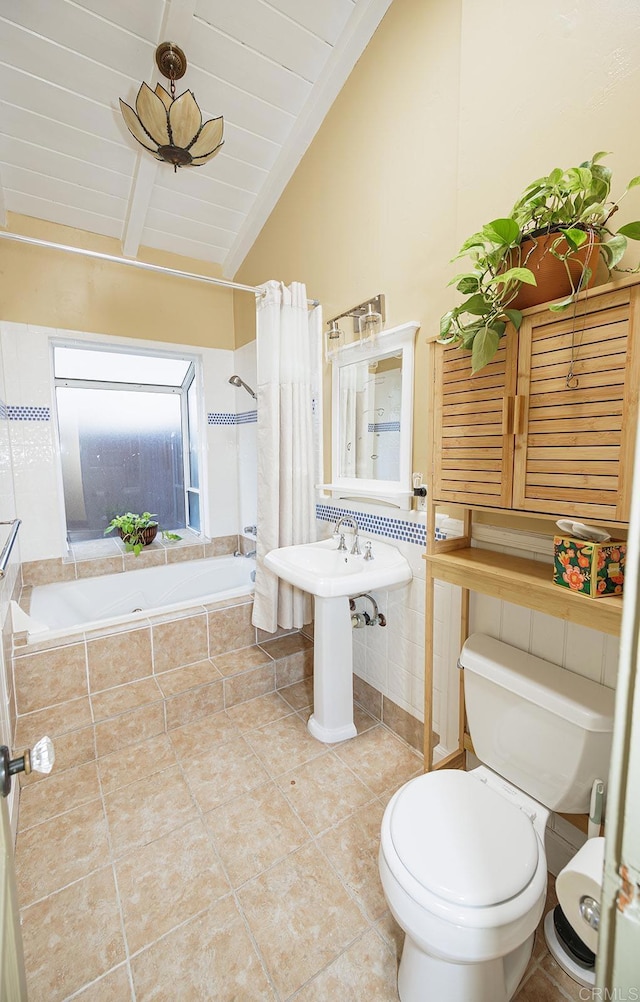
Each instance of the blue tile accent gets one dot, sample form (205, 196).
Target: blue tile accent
(221, 419)
(21, 413)
(4, 412)
(246, 417)
(384, 426)
(381, 525)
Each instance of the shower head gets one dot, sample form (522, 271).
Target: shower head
(236, 381)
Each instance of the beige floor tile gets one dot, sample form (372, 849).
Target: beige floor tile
(539, 988)
(148, 809)
(182, 679)
(249, 685)
(124, 697)
(218, 773)
(209, 959)
(242, 660)
(299, 695)
(61, 719)
(363, 720)
(130, 765)
(168, 881)
(113, 987)
(300, 916)
(570, 987)
(367, 970)
(285, 744)
(129, 728)
(258, 712)
(62, 792)
(380, 760)
(195, 704)
(254, 831)
(61, 850)
(283, 647)
(196, 737)
(72, 937)
(352, 848)
(323, 791)
(392, 934)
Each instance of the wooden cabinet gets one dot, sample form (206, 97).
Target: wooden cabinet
(549, 426)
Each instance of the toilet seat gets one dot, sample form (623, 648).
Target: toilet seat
(455, 843)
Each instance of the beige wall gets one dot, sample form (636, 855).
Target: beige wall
(453, 108)
(57, 289)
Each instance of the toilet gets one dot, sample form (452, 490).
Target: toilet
(462, 858)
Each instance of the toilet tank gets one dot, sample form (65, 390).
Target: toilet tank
(545, 729)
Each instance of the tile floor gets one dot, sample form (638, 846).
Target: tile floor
(234, 858)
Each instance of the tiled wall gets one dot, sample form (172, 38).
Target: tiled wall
(28, 409)
(97, 694)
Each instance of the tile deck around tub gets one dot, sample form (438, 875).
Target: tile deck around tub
(206, 864)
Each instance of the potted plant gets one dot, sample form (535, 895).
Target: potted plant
(560, 225)
(137, 531)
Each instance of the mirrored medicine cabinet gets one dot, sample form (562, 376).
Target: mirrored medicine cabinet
(372, 418)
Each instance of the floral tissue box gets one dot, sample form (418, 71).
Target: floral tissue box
(593, 569)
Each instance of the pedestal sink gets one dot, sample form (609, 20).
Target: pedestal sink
(331, 576)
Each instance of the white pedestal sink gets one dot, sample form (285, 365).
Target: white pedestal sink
(331, 576)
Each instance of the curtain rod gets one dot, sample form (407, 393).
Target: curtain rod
(143, 265)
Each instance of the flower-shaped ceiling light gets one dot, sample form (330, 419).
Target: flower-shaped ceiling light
(171, 127)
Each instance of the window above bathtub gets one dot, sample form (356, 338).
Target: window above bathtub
(128, 434)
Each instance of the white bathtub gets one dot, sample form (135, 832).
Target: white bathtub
(90, 603)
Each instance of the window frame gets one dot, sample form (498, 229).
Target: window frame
(193, 377)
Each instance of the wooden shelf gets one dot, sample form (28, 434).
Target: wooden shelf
(524, 582)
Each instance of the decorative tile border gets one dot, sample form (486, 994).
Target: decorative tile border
(381, 525)
(4, 411)
(26, 413)
(246, 417)
(384, 426)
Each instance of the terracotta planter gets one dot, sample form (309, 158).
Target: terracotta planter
(145, 536)
(551, 275)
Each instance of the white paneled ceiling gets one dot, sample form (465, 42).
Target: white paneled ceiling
(272, 68)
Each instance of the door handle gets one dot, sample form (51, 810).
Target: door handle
(39, 759)
(519, 412)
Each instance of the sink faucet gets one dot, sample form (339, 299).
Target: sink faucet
(351, 523)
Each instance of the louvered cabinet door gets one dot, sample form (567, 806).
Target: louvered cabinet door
(473, 440)
(576, 408)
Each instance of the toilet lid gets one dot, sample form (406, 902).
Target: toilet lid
(461, 840)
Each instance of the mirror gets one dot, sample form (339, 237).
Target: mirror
(372, 416)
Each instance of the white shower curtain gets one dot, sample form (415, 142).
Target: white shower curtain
(289, 427)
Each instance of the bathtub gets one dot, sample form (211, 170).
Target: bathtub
(90, 603)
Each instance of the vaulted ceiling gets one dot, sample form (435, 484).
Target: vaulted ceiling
(271, 67)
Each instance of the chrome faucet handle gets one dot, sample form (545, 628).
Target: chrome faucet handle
(342, 546)
(368, 555)
(355, 549)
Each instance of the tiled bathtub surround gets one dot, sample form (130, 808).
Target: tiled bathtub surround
(108, 690)
(108, 556)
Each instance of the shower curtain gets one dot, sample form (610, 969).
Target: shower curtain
(289, 344)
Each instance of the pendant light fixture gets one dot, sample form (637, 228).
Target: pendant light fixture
(171, 127)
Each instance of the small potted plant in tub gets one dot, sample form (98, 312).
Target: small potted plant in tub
(137, 531)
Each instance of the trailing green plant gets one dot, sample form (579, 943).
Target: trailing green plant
(131, 527)
(573, 203)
